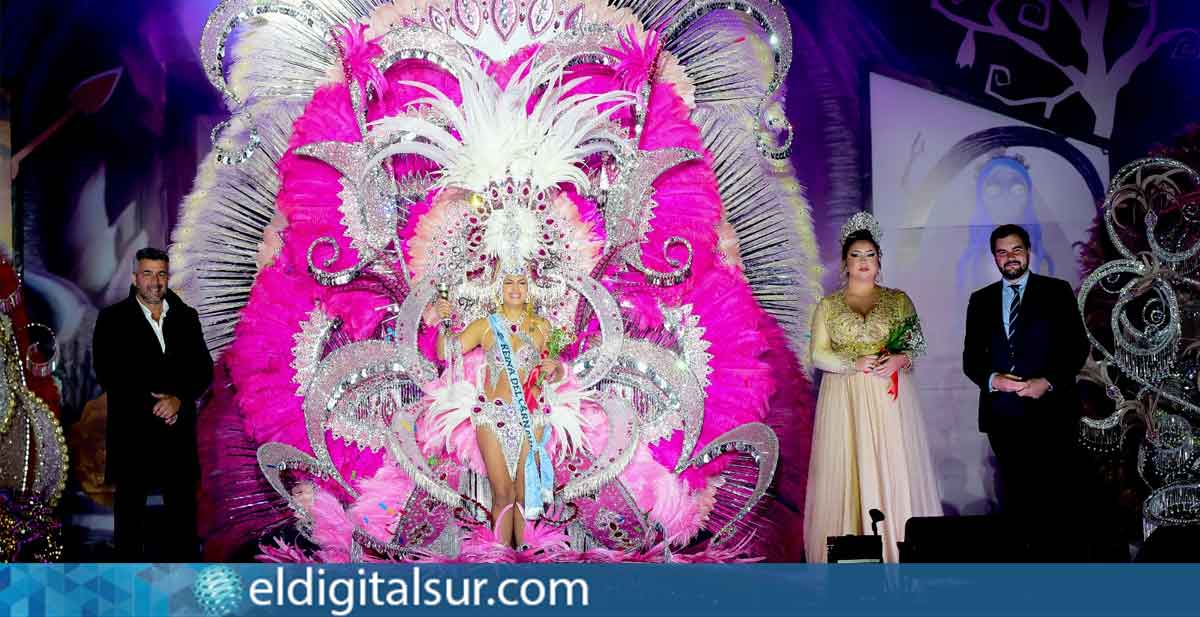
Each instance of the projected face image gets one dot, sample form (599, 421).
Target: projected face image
(1004, 190)
(1003, 194)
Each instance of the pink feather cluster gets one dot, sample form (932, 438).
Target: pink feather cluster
(635, 61)
(357, 53)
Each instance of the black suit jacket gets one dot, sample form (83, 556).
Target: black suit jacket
(1050, 343)
(130, 365)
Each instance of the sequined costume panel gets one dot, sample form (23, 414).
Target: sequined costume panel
(503, 418)
(523, 356)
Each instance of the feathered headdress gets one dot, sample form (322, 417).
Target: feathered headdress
(514, 158)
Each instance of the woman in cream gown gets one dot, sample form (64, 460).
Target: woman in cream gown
(869, 451)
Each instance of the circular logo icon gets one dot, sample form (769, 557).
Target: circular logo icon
(218, 591)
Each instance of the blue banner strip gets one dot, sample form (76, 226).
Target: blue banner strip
(220, 590)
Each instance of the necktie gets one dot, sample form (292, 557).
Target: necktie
(1014, 309)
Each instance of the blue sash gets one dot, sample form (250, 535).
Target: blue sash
(539, 486)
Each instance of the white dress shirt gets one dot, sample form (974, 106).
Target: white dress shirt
(156, 325)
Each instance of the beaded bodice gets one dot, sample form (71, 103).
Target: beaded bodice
(852, 335)
(524, 357)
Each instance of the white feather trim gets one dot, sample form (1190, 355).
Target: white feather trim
(497, 138)
(452, 406)
(566, 415)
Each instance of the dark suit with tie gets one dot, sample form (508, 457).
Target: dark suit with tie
(143, 450)
(1033, 439)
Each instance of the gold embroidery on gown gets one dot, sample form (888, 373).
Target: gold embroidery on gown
(841, 336)
(869, 451)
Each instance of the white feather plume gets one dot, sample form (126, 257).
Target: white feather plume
(497, 138)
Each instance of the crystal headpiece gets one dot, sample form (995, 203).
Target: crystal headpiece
(513, 234)
(861, 221)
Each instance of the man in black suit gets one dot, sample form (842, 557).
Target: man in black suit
(1024, 346)
(151, 360)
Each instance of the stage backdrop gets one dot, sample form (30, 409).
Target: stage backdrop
(944, 174)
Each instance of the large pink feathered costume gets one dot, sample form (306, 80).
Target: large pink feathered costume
(375, 161)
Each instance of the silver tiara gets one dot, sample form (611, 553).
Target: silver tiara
(859, 222)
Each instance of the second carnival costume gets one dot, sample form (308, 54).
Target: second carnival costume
(550, 140)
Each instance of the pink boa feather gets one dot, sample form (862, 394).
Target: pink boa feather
(332, 529)
(380, 500)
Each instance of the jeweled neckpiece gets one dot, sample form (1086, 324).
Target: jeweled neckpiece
(514, 326)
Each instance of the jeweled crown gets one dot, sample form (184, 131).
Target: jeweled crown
(861, 221)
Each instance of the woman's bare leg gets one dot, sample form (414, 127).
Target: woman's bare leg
(519, 486)
(503, 494)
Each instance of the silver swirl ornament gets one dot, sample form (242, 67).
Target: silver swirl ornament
(756, 451)
(1150, 220)
(1145, 323)
(596, 363)
(774, 132)
(1145, 211)
(408, 324)
(1148, 301)
(262, 75)
(667, 395)
(240, 125)
(370, 211)
(274, 459)
(630, 208)
(1147, 344)
(307, 25)
(1174, 505)
(335, 278)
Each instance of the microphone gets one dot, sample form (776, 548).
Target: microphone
(876, 518)
(444, 293)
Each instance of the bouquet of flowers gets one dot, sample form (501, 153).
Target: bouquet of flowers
(906, 338)
(558, 340)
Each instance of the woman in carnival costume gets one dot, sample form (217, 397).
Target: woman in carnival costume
(514, 342)
(506, 173)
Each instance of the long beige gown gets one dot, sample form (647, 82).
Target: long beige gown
(869, 451)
